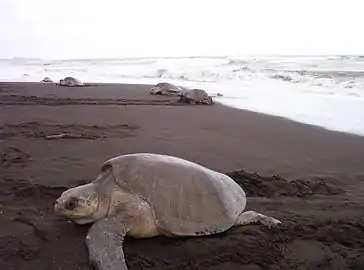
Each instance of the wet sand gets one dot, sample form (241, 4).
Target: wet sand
(309, 178)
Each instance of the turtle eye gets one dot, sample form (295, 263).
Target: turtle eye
(71, 204)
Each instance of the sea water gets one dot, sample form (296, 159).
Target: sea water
(326, 91)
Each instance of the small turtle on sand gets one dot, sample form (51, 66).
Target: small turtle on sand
(164, 88)
(144, 195)
(194, 96)
(46, 80)
(70, 81)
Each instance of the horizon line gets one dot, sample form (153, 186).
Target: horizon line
(176, 57)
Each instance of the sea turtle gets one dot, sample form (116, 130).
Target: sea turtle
(194, 96)
(164, 88)
(70, 81)
(47, 80)
(144, 195)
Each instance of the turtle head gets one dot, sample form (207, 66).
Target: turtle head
(155, 90)
(79, 204)
(209, 101)
(62, 82)
(70, 83)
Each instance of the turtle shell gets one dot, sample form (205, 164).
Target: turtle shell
(163, 88)
(187, 198)
(168, 87)
(197, 95)
(72, 81)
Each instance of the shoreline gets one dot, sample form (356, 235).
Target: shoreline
(141, 85)
(317, 189)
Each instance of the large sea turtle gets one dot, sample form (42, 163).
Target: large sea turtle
(70, 81)
(47, 80)
(164, 88)
(144, 195)
(194, 96)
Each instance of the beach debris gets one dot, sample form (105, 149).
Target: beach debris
(196, 96)
(70, 82)
(69, 136)
(144, 195)
(47, 80)
(164, 88)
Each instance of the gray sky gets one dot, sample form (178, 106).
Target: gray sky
(118, 28)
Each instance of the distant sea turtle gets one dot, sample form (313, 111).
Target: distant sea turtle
(47, 80)
(164, 88)
(144, 195)
(70, 81)
(194, 96)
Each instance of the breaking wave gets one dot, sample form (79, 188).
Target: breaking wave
(327, 91)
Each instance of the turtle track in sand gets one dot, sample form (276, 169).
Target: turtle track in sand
(274, 186)
(38, 130)
(34, 100)
(12, 156)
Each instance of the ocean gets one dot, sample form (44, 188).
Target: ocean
(326, 91)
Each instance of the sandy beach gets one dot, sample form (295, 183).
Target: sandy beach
(308, 177)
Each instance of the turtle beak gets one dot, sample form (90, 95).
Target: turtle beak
(57, 206)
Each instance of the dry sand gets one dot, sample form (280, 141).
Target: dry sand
(309, 178)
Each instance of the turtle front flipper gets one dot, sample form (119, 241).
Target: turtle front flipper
(105, 244)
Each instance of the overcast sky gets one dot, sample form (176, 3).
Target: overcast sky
(118, 28)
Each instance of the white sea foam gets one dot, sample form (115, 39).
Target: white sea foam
(327, 91)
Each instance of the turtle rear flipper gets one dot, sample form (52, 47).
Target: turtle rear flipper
(105, 244)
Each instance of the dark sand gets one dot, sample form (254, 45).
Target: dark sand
(309, 178)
